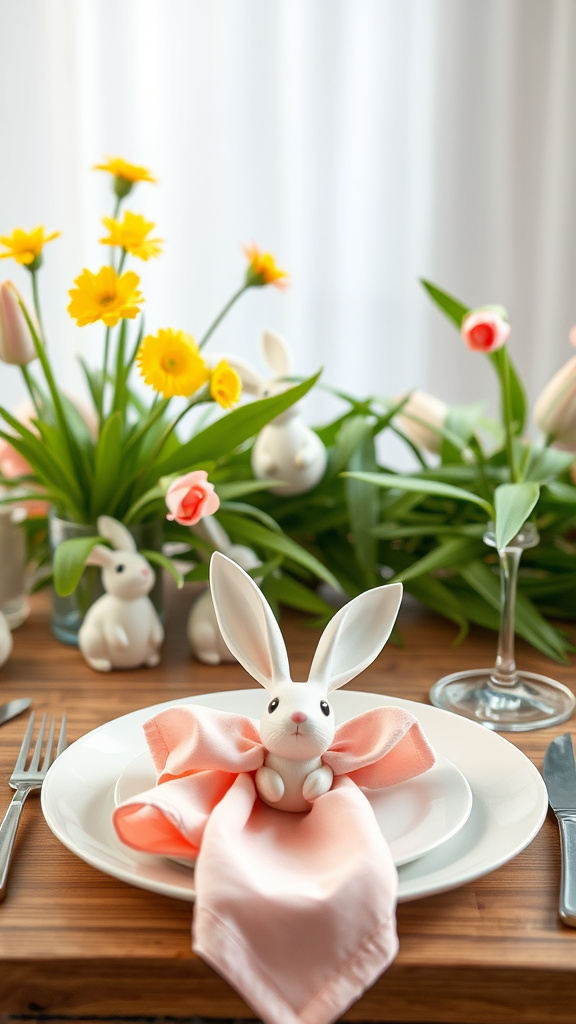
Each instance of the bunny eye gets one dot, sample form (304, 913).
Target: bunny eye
(120, 568)
(324, 708)
(273, 705)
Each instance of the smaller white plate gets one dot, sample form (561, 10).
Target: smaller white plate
(415, 816)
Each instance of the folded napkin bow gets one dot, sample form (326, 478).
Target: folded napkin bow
(295, 910)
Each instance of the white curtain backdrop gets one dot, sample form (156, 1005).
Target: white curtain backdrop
(366, 143)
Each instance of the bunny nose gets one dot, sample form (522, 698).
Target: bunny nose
(298, 716)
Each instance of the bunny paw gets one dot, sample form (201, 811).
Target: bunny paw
(269, 785)
(153, 659)
(317, 783)
(100, 664)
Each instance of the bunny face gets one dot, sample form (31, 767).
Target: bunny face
(127, 575)
(298, 722)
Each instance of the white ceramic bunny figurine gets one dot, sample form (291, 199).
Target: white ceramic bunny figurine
(202, 629)
(287, 448)
(6, 640)
(121, 629)
(297, 726)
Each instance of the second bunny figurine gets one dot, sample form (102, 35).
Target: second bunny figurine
(121, 629)
(298, 725)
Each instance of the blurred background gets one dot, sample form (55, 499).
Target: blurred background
(365, 143)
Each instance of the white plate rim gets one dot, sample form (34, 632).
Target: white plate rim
(502, 779)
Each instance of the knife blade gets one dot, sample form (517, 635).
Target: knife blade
(13, 708)
(560, 777)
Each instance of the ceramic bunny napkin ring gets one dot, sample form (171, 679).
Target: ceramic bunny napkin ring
(298, 726)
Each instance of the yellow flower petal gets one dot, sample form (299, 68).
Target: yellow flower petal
(262, 269)
(105, 296)
(171, 363)
(225, 385)
(26, 246)
(131, 235)
(120, 168)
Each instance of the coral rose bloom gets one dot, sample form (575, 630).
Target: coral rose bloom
(191, 497)
(485, 331)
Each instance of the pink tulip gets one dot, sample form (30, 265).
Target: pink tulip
(484, 330)
(16, 343)
(555, 408)
(191, 497)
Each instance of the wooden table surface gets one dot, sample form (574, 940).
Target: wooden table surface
(77, 943)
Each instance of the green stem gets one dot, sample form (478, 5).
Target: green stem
(215, 323)
(30, 385)
(104, 373)
(504, 377)
(47, 370)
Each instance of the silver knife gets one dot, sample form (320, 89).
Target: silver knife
(13, 708)
(560, 778)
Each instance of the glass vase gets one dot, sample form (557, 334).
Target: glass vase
(14, 603)
(502, 698)
(68, 612)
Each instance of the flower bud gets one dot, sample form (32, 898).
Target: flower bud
(485, 330)
(16, 342)
(191, 497)
(420, 419)
(555, 408)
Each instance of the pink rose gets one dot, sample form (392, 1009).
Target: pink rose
(484, 330)
(191, 497)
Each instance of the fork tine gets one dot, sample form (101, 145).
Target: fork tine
(49, 742)
(38, 748)
(21, 762)
(62, 739)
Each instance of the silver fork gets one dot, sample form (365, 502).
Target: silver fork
(24, 780)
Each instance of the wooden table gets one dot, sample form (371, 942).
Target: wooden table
(77, 943)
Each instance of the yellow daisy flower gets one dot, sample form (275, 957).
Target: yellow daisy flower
(262, 269)
(125, 174)
(105, 296)
(120, 168)
(130, 234)
(26, 246)
(225, 385)
(170, 362)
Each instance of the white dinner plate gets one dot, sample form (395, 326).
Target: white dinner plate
(509, 799)
(414, 816)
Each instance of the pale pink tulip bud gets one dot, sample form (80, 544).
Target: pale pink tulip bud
(191, 497)
(420, 419)
(16, 343)
(484, 330)
(555, 408)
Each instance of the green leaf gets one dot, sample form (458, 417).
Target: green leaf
(449, 553)
(545, 464)
(363, 503)
(424, 486)
(513, 505)
(231, 430)
(107, 468)
(450, 306)
(245, 531)
(69, 561)
(290, 592)
(435, 595)
(159, 559)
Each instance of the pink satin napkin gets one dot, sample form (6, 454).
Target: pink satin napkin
(295, 910)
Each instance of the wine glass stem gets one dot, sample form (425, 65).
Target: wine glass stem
(504, 673)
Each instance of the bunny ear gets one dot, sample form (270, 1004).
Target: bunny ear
(119, 537)
(355, 636)
(247, 622)
(276, 353)
(100, 555)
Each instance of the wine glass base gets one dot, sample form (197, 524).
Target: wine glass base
(533, 702)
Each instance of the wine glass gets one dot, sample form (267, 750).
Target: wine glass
(502, 698)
